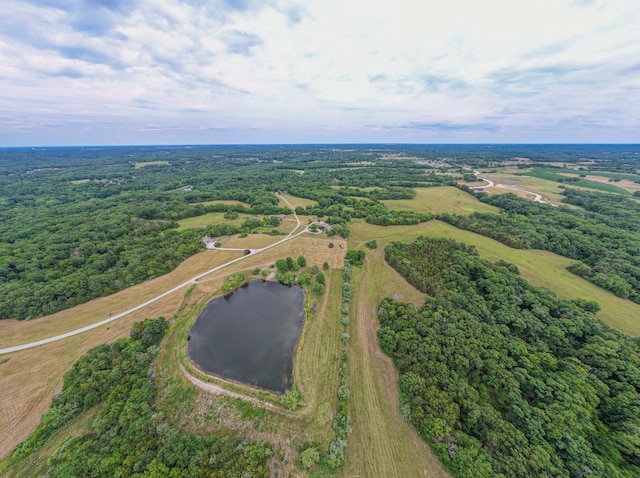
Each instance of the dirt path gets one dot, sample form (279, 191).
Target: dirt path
(218, 390)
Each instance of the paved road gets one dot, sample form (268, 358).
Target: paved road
(192, 281)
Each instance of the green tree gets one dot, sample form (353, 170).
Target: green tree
(282, 266)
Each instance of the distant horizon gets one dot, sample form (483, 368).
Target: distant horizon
(184, 145)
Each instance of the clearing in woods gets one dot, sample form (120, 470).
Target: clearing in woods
(296, 201)
(441, 199)
(209, 219)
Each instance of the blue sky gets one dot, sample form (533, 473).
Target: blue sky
(108, 72)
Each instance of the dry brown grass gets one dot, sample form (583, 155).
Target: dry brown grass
(31, 377)
(549, 190)
(296, 201)
(624, 184)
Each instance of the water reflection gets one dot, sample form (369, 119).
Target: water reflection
(251, 336)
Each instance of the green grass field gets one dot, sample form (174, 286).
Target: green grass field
(441, 199)
(540, 268)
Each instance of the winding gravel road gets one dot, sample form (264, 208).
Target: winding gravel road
(192, 281)
(490, 184)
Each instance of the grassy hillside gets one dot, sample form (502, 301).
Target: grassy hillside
(541, 268)
(441, 199)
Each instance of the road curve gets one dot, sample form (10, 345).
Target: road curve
(490, 184)
(81, 330)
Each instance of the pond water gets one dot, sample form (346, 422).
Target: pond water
(251, 336)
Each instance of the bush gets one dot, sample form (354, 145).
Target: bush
(302, 262)
(309, 458)
(371, 244)
(318, 289)
(355, 258)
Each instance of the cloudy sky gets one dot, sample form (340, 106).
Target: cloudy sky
(82, 72)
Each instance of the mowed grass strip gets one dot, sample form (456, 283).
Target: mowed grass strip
(441, 199)
(540, 268)
(382, 444)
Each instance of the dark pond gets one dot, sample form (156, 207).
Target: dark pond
(251, 336)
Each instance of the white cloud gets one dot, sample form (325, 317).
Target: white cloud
(498, 70)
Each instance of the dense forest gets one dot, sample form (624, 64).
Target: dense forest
(603, 235)
(128, 436)
(504, 379)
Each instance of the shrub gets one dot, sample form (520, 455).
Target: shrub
(371, 244)
(309, 458)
